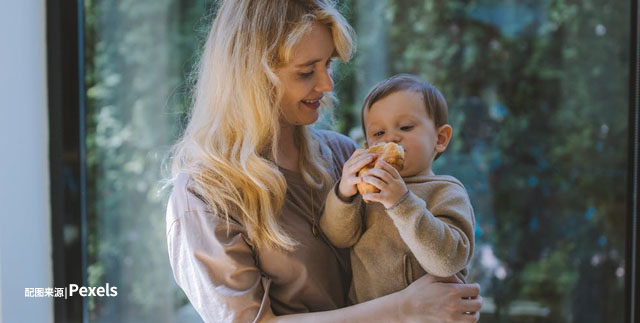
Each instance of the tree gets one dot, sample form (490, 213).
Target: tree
(139, 54)
(537, 92)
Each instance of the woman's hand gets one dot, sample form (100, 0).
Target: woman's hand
(433, 299)
(360, 158)
(388, 180)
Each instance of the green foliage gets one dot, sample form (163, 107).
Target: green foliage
(139, 54)
(538, 104)
(537, 92)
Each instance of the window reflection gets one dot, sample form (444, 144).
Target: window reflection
(537, 95)
(538, 101)
(138, 54)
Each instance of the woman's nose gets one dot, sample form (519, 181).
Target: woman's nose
(325, 82)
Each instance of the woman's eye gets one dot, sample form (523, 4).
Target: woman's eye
(406, 128)
(328, 65)
(306, 75)
(378, 134)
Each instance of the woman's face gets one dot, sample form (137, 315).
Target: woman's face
(307, 77)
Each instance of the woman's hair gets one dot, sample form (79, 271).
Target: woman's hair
(435, 104)
(229, 146)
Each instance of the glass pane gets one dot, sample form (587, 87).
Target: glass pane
(537, 94)
(138, 56)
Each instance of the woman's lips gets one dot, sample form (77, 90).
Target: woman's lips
(311, 104)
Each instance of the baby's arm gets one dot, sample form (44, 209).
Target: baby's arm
(341, 219)
(441, 238)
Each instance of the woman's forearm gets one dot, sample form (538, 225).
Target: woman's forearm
(428, 299)
(385, 309)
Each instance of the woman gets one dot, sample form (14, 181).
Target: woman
(250, 176)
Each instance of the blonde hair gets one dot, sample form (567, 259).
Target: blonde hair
(230, 143)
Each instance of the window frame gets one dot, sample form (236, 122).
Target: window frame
(632, 284)
(67, 153)
(67, 113)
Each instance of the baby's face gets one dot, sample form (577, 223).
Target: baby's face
(401, 117)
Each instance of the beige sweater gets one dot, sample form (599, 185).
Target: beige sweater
(430, 230)
(228, 278)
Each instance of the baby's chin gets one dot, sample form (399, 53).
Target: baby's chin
(409, 171)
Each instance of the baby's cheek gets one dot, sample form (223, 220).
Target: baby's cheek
(372, 142)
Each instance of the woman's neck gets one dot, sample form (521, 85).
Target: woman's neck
(288, 152)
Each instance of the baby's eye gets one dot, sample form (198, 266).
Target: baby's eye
(406, 128)
(378, 134)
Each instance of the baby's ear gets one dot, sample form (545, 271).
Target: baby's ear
(444, 134)
(366, 145)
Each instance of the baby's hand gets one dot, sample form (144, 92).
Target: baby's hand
(358, 159)
(388, 181)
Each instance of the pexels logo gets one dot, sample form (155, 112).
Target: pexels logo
(72, 289)
(93, 291)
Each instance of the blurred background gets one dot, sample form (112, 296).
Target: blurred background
(538, 100)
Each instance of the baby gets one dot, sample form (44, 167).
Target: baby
(419, 223)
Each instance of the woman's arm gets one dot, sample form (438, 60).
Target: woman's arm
(215, 267)
(428, 299)
(212, 263)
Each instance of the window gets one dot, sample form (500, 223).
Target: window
(138, 55)
(538, 95)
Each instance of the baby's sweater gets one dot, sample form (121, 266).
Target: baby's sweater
(430, 230)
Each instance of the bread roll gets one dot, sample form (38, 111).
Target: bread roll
(391, 153)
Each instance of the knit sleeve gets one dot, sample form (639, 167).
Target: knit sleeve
(441, 237)
(341, 220)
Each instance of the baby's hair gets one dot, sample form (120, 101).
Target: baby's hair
(435, 104)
